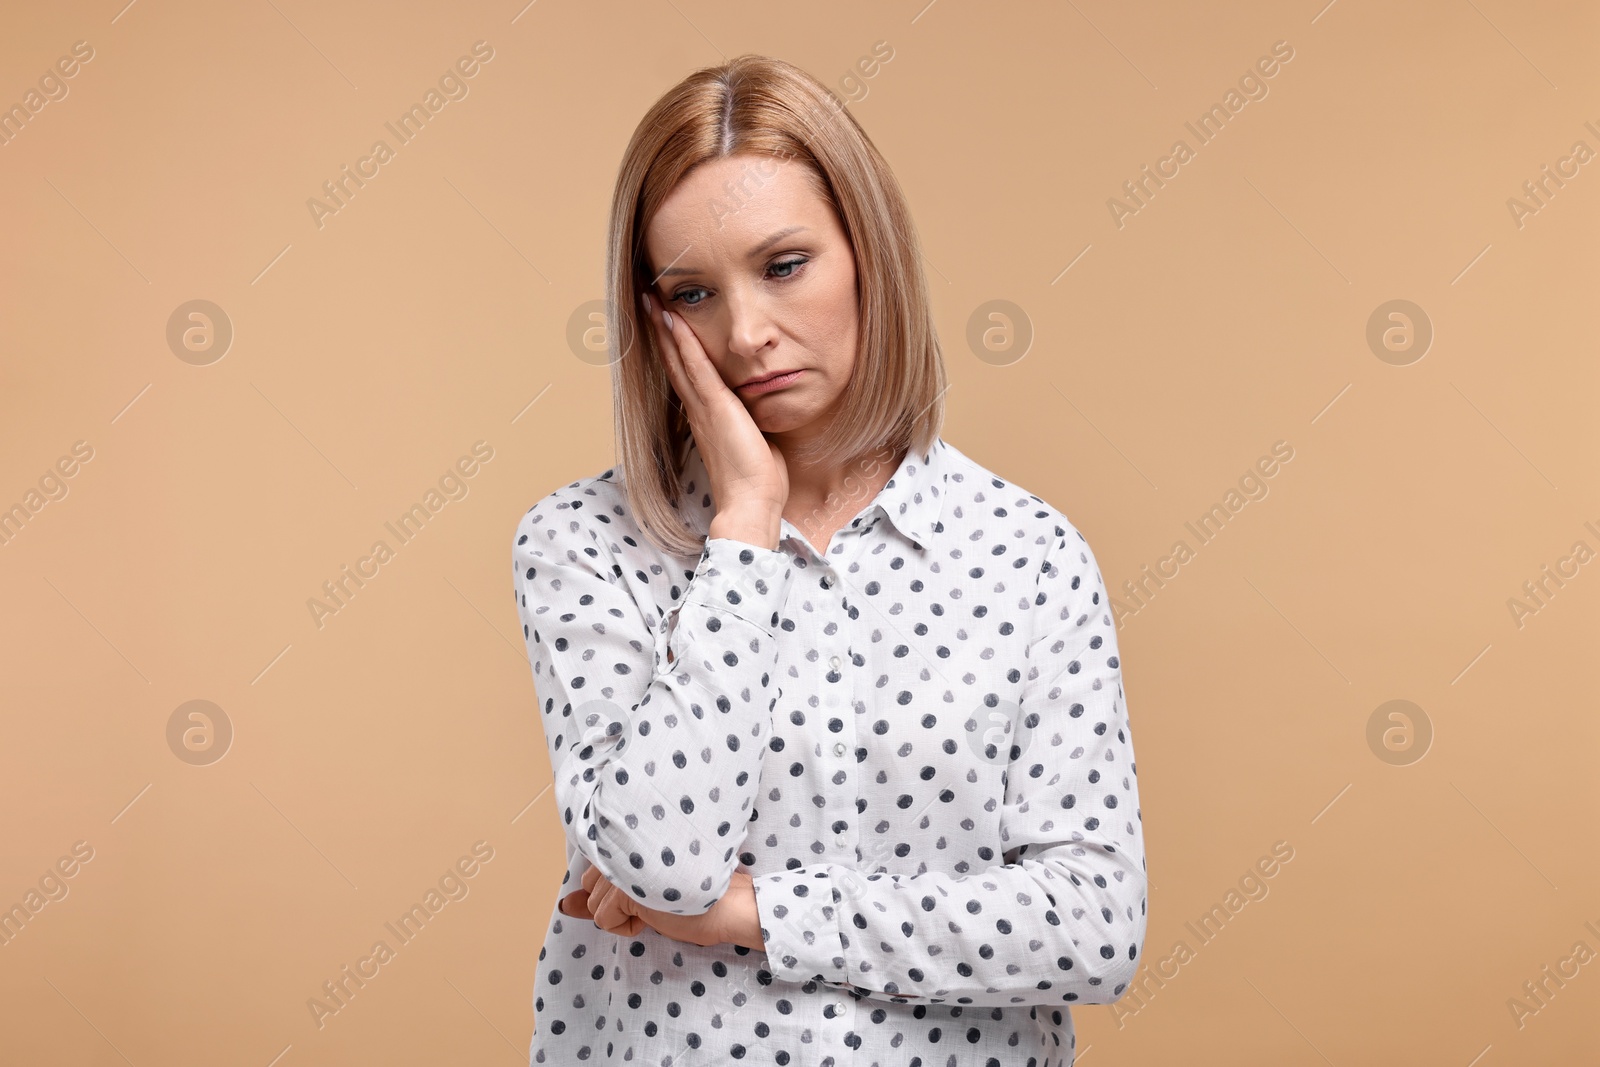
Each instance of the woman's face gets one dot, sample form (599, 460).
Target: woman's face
(758, 266)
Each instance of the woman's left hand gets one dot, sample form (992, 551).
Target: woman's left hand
(731, 920)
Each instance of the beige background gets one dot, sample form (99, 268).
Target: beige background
(434, 310)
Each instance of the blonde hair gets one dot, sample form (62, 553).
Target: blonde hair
(758, 105)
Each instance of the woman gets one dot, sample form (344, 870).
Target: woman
(835, 714)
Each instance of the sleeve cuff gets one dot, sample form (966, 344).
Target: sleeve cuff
(800, 925)
(742, 579)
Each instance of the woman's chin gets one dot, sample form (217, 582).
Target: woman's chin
(776, 417)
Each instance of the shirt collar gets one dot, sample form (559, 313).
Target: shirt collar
(912, 499)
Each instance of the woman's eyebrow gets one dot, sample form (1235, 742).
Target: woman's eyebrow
(753, 253)
(774, 239)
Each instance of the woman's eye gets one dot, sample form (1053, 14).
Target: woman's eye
(793, 266)
(796, 264)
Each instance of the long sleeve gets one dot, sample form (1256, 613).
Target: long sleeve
(655, 764)
(1063, 918)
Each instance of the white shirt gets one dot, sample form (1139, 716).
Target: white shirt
(915, 743)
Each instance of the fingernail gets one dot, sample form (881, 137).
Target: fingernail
(668, 316)
(647, 307)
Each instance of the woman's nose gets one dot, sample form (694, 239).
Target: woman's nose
(750, 324)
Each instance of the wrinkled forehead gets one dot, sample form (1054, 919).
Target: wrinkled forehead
(721, 211)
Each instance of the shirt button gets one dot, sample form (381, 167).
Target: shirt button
(838, 748)
(835, 662)
(839, 841)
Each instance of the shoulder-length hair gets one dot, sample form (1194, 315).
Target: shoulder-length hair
(758, 105)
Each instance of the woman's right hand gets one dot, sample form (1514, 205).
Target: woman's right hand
(749, 478)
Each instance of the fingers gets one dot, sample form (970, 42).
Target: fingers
(695, 379)
(608, 908)
(671, 358)
(594, 896)
(600, 888)
(614, 911)
(596, 890)
(742, 465)
(597, 899)
(576, 904)
(692, 361)
(609, 905)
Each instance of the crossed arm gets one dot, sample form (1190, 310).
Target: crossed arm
(732, 920)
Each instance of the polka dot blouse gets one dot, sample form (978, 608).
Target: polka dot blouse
(915, 742)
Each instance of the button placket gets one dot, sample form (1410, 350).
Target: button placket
(831, 699)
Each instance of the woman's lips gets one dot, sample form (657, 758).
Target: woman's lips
(778, 382)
